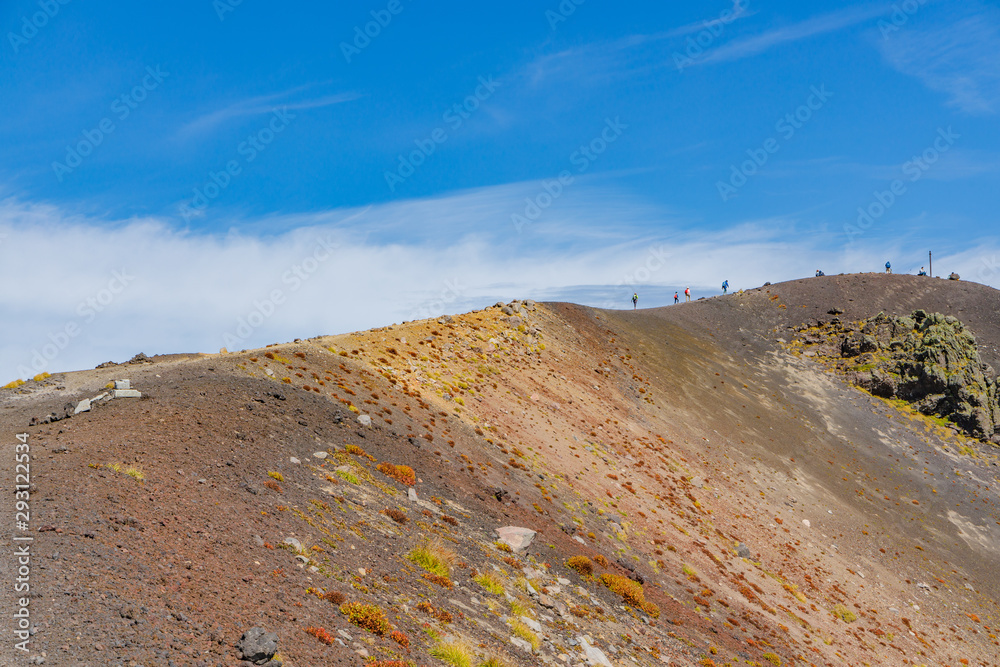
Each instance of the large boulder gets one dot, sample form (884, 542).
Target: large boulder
(257, 645)
(518, 539)
(929, 360)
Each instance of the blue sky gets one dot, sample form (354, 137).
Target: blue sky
(216, 154)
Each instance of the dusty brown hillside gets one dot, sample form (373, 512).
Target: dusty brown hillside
(772, 513)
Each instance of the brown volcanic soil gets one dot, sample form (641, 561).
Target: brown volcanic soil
(660, 439)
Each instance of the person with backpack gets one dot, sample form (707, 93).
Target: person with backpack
(687, 294)
(635, 299)
(888, 267)
(676, 298)
(819, 273)
(725, 286)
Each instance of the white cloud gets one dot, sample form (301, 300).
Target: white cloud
(263, 104)
(958, 59)
(181, 292)
(751, 46)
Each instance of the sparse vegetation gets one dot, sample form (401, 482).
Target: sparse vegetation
(434, 557)
(443, 582)
(402, 474)
(133, 471)
(335, 597)
(441, 615)
(520, 629)
(631, 592)
(493, 661)
(490, 582)
(320, 634)
(844, 614)
(276, 476)
(366, 616)
(348, 476)
(456, 653)
(396, 515)
(583, 565)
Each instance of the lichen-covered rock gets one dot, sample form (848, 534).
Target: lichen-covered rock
(929, 360)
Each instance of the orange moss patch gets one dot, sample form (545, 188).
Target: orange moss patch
(402, 474)
(320, 634)
(631, 592)
(583, 565)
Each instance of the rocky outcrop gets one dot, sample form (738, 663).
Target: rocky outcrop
(929, 360)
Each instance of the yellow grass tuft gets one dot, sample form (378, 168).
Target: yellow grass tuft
(456, 653)
(434, 557)
(527, 634)
(490, 582)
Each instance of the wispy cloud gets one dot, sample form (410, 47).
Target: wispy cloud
(955, 165)
(264, 104)
(740, 10)
(751, 46)
(958, 59)
(605, 60)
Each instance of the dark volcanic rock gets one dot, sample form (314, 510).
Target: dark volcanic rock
(929, 360)
(257, 645)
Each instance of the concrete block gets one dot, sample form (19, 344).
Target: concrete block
(82, 406)
(123, 384)
(125, 393)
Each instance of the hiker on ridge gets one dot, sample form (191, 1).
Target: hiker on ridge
(635, 299)
(676, 298)
(725, 286)
(888, 267)
(687, 294)
(819, 273)
(922, 272)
